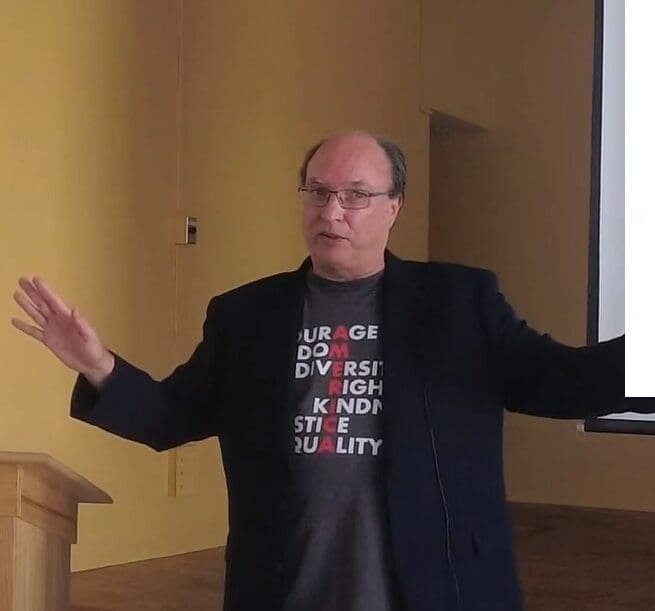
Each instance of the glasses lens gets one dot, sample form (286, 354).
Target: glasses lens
(353, 198)
(349, 198)
(315, 196)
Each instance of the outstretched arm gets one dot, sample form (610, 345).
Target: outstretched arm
(117, 396)
(543, 377)
(162, 414)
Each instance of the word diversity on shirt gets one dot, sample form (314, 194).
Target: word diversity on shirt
(353, 388)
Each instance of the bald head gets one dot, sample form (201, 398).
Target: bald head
(350, 141)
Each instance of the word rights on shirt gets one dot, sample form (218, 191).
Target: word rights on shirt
(352, 389)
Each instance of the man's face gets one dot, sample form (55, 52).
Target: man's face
(344, 243)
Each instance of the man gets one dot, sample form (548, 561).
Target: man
(359, 411)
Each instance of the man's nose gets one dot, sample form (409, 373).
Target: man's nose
(332, 209)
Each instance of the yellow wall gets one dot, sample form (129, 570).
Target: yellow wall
(87, 183)
(459, 39)
(102, 143)
(515, 197)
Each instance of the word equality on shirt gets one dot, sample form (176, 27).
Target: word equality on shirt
(340, 445)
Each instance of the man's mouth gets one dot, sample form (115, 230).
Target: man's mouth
(331, 236)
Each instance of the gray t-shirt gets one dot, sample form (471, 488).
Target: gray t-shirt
(339, 552)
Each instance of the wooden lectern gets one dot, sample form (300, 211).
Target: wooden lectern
(38, 523)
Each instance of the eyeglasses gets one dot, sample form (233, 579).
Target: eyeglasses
(347, 198)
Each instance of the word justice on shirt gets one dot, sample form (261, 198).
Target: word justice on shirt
(348, 387)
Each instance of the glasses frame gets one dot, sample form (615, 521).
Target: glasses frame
(338, 194)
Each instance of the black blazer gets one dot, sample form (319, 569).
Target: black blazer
(455, 355)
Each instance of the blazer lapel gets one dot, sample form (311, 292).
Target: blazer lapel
(404, 332)
(414, 501)
(277, 337)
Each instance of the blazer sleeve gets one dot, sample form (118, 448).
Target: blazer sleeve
(162, 414)
(542, 377)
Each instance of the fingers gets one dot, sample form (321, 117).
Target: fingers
(28, 329)
(30, 309)
(55, 303)
(34, 295)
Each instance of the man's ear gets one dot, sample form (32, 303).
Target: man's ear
(397, 207)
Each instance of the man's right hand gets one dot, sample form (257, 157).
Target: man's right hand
(63, 330)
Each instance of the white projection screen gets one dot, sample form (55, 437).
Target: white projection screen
(606, 311)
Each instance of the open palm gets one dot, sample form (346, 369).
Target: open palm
(62, 329)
